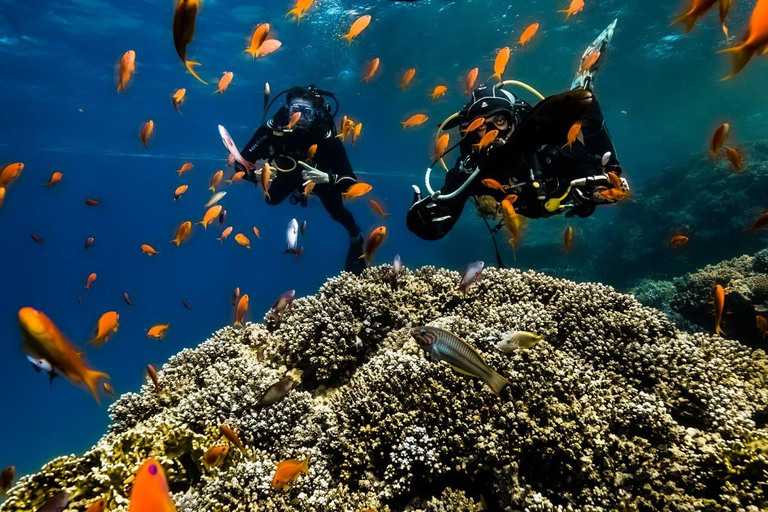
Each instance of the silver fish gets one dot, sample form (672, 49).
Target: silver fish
(443, 346)
(266, 96)
(215, 198)
(56, 504)
(472, 274)
(515, 340)
(226, 139)
(397, 268)
(283, 302)
(44, 366)
(292, 236)
(274, 394)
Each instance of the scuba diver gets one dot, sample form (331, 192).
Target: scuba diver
(528, 157)
(286, 148)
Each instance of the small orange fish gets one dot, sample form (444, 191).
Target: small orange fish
(256, 232)
(150, 489)
(152, 374)
(108, 324)
(269, 46)
(179, 191)
(110, 391)
(224, 82)
(487, 139)
(576, 7)
(236, 177)
(735, 158)
(377, 208)
(719, 306)
(91, 279)
(568, 239)
(470, 80)
(178, 98)
(698, 8)
(242, 309)
(125, 70)
(761, 222)
(308, 188)
(528, 34)
(614, 179)
(10, 173)
(216, 180)
(2, 196)
(439, 90)
(590, 61)
(182, 233)
(300, 9)
(501, 63)
(149, 250)
(718, 139)
(235, 296)
(294, 119)
(55, 178)
(441, 144)
(414, 120)
(356, 190)
(356, 133)
(574, 134)
(146, 132)
(243, 240)
(215, 456)
(761, 323)
(493, 184)
(92, 202)
(407, 77)
(225, 234)
(288, 471)
(373, 66)
(474, 125)
(755, 41)
(266, 175)
(678, 241)
(373, 243)
(185, 168)
(211, 215)
(184, 16)
(512, 221)
(358, 26)
(257, 39)
(158, 331)
(98, 505)
(613, 194)
(311, 152)
(232, 437)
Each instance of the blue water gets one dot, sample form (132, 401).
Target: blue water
(60, 57)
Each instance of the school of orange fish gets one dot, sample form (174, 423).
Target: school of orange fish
(50, 350)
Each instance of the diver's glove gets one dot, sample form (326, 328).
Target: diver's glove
(314, 175)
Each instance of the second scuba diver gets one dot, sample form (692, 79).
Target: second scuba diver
(528, 156)
(287, 149)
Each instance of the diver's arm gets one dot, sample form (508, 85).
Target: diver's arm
(332, 159)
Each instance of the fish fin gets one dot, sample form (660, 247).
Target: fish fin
(189, 64)
(497, 382)
(568, 14)
(495, 75)
(719, 331)
(305, 465)
(348, 37)
(688, 19)
(91, 379)
(464, 372)
(251, 52)
(580, 137)
(175, 241)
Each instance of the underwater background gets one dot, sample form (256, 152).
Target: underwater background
(61, 112)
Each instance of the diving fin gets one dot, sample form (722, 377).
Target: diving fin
(584, 78)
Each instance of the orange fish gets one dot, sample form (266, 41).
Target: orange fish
(152, 374)
(146, 132)
(149, 250)
(179, 191)
(735, 158)
(698, 8)
(243, 240)
(125, 70)
(288, 471)
(407, 77)
(266, 174)
(356, 133)
(235, 296)
(158, 331)
(493, 184)
(718, 139)
(574, 134)
(311, 152)
(185, 168)
(568, 239)
(184, 16)
(755, 42)
(215, 456)
(356, 190)
(216, 180)
(267, 47)
(474, 125)
(10, 173)
(613, 194)
(487, 139)
(761, 323)
(178, 98)
(91, 279)
(300, 9)
(377, 208)
(501, 63)
(373, 243)
(441, 144)
(110, 391)
(257, 39)
(358, 26)
(373, 66)
(43, 340)
(232, 437)
(590, 61)
(224, 82)
(150, 490)
(761, 222)
(2, 196)
(256, 232)
(576, 7)
(106, 326)
(470, 80)
(293, 120)
(308, 188)
(55, 178)
(414, 120)
(242, 309)
(512, 221)
(439, 90)
(528, 34)
(614, 179)
(236, 177)
(98, 505)
(719, 306)
(678, 241)
(182, 233)
(211, 215)
(225, 234)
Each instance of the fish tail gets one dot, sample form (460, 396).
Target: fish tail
(189, 64)
(251, 52)
(305, 466)
(91, 379)
(495, 75)
(718, 330)
(348, 37)
(176, 241)
(238, 324)
(497, 382)
(121, 87)
(568, 13)
(294, 12)
(742, 54)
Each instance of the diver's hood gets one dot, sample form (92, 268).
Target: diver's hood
(486, 101)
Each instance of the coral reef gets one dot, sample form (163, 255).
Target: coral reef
(688, 300)
(615, 410)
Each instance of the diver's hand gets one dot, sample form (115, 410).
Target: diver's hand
(313, 175)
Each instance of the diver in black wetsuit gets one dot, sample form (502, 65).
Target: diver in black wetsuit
(287, 151)
(527, 157)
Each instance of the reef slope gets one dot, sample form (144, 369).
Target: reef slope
(617, 409)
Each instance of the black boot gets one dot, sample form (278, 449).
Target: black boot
(355, 263)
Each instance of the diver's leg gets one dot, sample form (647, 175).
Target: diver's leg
(592, 59)
(334, 205)
(280, 188)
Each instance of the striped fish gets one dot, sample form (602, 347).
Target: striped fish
(444, 346)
